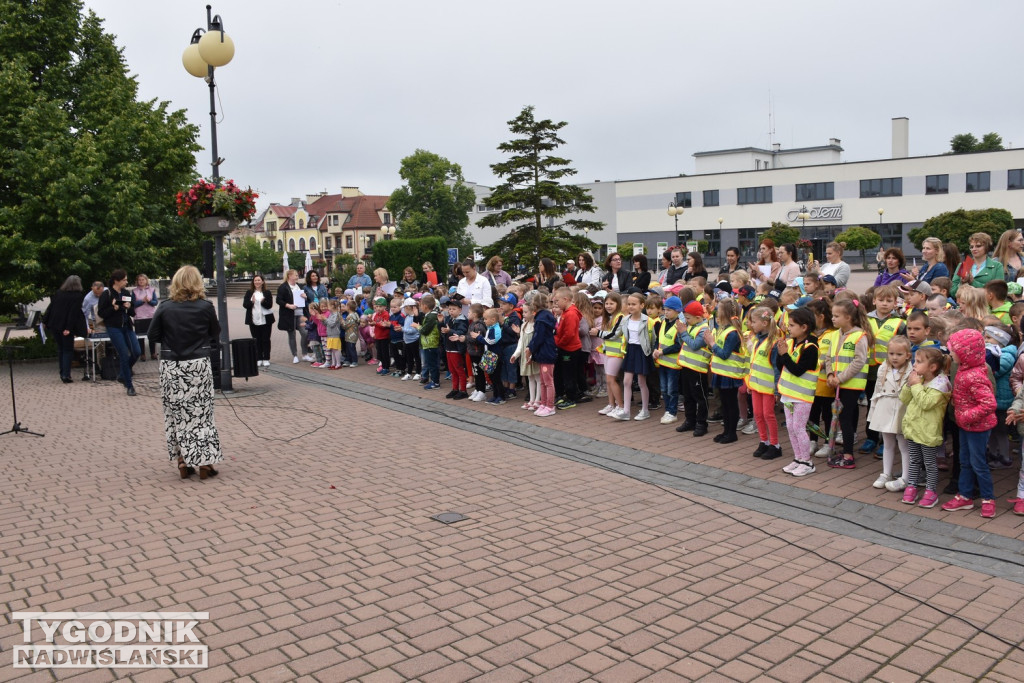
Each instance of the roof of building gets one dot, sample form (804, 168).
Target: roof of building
(759, 150)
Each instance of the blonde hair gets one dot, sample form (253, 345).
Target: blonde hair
(187, 285)
(972, 302)
(766, 316)
(742, 276)
(380, 271)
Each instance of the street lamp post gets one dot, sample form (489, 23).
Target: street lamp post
(880, 212)
(675, 212)
(209, 49)
(387, 231)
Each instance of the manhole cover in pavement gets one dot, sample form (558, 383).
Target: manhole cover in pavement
(449, 517)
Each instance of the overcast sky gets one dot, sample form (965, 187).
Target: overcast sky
(325, 94)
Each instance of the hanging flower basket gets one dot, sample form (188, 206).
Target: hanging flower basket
(208, 202)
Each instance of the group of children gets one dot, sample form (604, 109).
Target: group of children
(928, 366)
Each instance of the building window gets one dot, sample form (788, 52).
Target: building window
(714, 238)
(936, 184)
(312, 244)
(710, 197)
(291, 244)
(348, 241)
(272, 226)
(302, 224)
(335, 219)
(302, 244)
(978, 182)
(1015, 179)
(881, 187)
(892, 235)
(684, 199)
(812, 192)
(280, 245)
(754, 195)
(328, 244)
(747, 243)
(387, 219)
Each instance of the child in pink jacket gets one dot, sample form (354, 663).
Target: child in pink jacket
(974, 407)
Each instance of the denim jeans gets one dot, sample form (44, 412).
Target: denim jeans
(430, 365)
(65, 352)
(669, 388)
(973, 465)
(128, 351)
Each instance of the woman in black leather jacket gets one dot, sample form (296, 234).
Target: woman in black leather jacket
(186, 327)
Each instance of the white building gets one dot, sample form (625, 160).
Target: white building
(736, 194)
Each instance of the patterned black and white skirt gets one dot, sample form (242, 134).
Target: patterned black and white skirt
(187, 388)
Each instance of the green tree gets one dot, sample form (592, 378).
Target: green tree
(781, 233)
(87, 173)
(958, 226)
(434, 202)
(252, 257)
(965, 143)
(859, 239)
(543, 213)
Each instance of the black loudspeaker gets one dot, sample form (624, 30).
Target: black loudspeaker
(243, 358)
(207, 258)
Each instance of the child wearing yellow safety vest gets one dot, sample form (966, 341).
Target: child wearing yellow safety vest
(797, 362)
(885, 324)
(612, 349)
(666, 357)
(846, 368)
(729, 366)
(761, 381)
(694, 362)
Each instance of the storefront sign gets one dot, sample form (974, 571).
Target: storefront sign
(832, 212)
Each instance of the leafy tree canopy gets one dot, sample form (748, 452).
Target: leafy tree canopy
(434, 202)
(859, 239)
(781, 233)
(958, 226)
(965, 143)
(250, 256)
(88, 174)
(544, 213)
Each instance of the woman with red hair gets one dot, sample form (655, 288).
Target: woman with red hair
(766, 256)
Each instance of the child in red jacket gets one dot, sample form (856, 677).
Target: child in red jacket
(570, 349)
(381, 323)
(974, 406)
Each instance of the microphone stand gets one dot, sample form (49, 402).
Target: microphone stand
(11, 350)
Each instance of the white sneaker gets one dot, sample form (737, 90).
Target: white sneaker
(882, 480)
(295, 360)
(478, 396)
(822, 452)
(607, 409)
(642, 415)
(668, 418)
(894, 485)
(742, 422)
(750, 428)
(803, 470)
(601, 393)
(621, 414)
(406, 377)
(839, 439)
(416, 376)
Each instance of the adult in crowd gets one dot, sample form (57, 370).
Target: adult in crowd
(494, 274)
(640, 277)
(731, 265)
(360, 279)
(589, 273)
(834, 264)
(677, 270)
(767, 258)
(186, 327)
(291, 306)
(665, 263)
(569, 274)
(895, 272)
(1008, 253)
(932, 253)
(408, 285)
(455, 275)
(615, 278)
(695, 267)
(429, 274)
(144, 300)
(115, 308)
(790, 269)
(473, 288)
(92, 298)
(951, 257)
(258, 304)
(547, 276)
(314, 289)
(880, 259)
(380, 284)
(65, 320)
(977, 268)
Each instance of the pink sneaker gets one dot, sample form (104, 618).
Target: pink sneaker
(317, 365)
(527, 406)
(929, 499)
(988, 509)
(544, 411)
(958, 502)
(788, 469)
(909, 495)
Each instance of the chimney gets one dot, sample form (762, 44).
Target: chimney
(350, 191)
(900, 137)
(834, 142)
(776, 146)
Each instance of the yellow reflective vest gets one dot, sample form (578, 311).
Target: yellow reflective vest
(762, 374)
(735, 366)
(700, 359)
(799, 387)
(843, 355)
